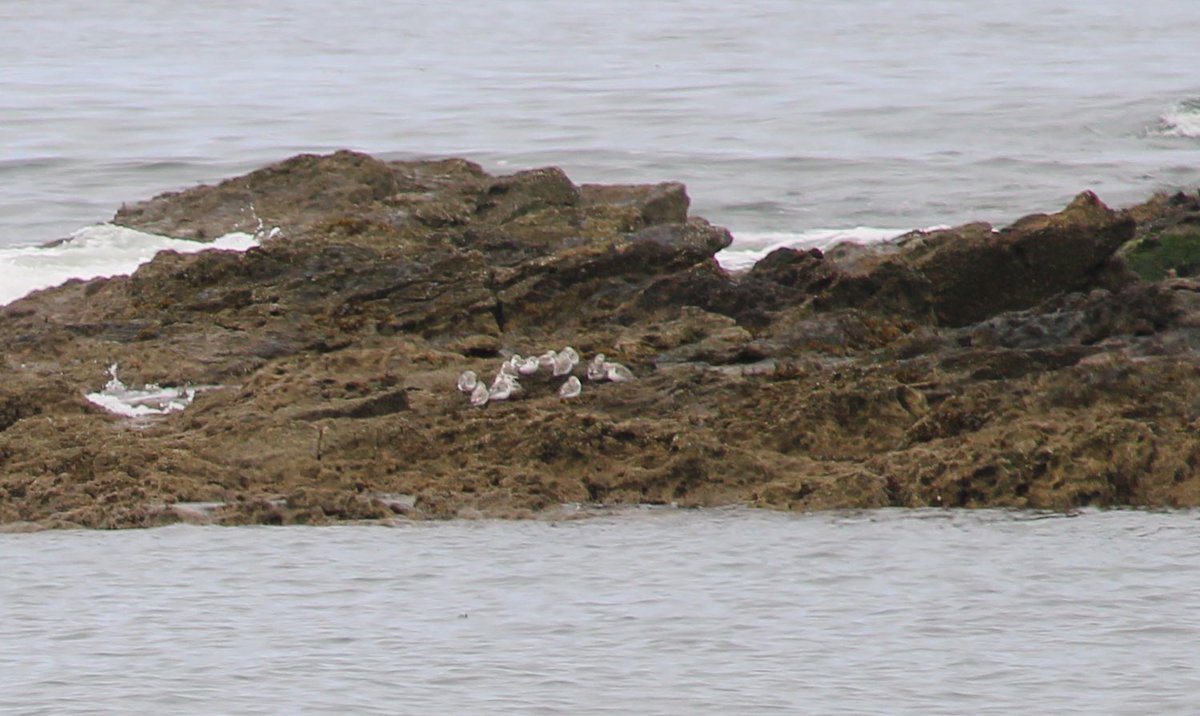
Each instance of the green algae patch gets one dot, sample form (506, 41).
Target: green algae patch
(1155, 257)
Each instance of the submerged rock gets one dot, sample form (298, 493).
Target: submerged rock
(1020, 367)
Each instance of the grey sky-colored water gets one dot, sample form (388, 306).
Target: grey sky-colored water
(647, 611)
(780, 115)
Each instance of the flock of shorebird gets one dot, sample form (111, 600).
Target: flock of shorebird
(507, 382)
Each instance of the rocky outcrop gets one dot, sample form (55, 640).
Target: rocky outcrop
(1167, 244)
(959, 276)
(1021, 367)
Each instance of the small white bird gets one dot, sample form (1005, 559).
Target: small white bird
(618, 373)
(529, 366)
(563, 365)
(509, 368)
(571, 389)
(597, 369)
(571, 352)
(547, 360)
(467, 381)
(480, 395)
(504, 387)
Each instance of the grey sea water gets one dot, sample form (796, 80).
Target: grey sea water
(646, 611)
(781, 115)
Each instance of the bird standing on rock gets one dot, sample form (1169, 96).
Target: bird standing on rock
(597, 369)
(480, 395)
(529, 366)
(565, 362)
(504, 387)
(571, 389)
(618, 373)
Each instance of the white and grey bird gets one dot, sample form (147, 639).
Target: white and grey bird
(480, 395)
(547, 359)
(571, 389)
(467, 381)
(565, 362)
(529, 366)
(509, 368)
(618, 373)
(504, 387)
(597, 369)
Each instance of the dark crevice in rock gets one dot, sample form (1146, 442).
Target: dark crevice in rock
(498, 313)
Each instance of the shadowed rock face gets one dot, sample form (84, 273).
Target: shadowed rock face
(1024, 367)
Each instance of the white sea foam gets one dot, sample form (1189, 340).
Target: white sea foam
(1181, 119)
(144, 402)
(100, 250)
(749, 247)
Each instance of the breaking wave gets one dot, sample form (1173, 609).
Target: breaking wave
(1182, 119)
(749, 247)
(94, 251)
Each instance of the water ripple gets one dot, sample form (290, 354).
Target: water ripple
(651, 612)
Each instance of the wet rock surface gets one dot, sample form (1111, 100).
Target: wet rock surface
(1022, 367)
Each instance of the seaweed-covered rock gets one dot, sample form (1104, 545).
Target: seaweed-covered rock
(1167, 243)
(1022, 367)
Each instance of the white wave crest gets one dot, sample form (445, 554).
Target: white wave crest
(749, 247)
(1181, 119)
(94, 251)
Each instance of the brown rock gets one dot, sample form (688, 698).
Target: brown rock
(976, 273)
(959, 368)
(665, 203)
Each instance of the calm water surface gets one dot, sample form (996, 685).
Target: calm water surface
(650, 611)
